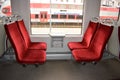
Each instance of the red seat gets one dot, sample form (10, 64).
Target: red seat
(26, 37)
(95, 51)
(92, 26)
(23, 54)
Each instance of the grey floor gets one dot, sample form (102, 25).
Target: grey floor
(61, 70)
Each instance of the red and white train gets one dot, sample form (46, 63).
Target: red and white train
(56, 11)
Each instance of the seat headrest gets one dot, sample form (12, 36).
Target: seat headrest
(108, 21)
(10, 19)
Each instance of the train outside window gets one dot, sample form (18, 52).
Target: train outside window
(62, 16)
(71, 16)
(36, 16)
(57, 17)
(54, 16)
(109, 9)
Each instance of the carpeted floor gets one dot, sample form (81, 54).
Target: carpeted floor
(61, 70)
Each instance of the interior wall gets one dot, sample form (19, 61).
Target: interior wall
(113, 44)
(21, 7)
(91, 9)
(2, 39)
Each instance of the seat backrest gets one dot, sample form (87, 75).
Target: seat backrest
(89, 33)
(16, 40)
(24, 32)
(100, 39)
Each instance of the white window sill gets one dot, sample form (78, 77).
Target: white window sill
(57, 35)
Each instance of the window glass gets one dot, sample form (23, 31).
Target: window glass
(56, 16)
(79, 17)
(71, 16)
(5, 8)
(109, 9)
(36, 16)
(62, 16)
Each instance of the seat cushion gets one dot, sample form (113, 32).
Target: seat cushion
(76, 45)
(38, 45)
(86, 55)
(34, 56)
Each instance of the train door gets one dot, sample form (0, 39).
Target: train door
(43, 16)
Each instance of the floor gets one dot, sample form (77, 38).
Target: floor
(61, 70)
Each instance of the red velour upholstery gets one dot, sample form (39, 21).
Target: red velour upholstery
(26, 37)
(92, 26)
(23, 54)
(95, 51)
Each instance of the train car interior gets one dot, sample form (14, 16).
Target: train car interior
(59, 39)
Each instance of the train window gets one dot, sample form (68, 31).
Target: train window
(62, 16)
(36, 16)
(56, 17)
(109, 9)
(71, 16)
(5, 8)
(79, 17)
